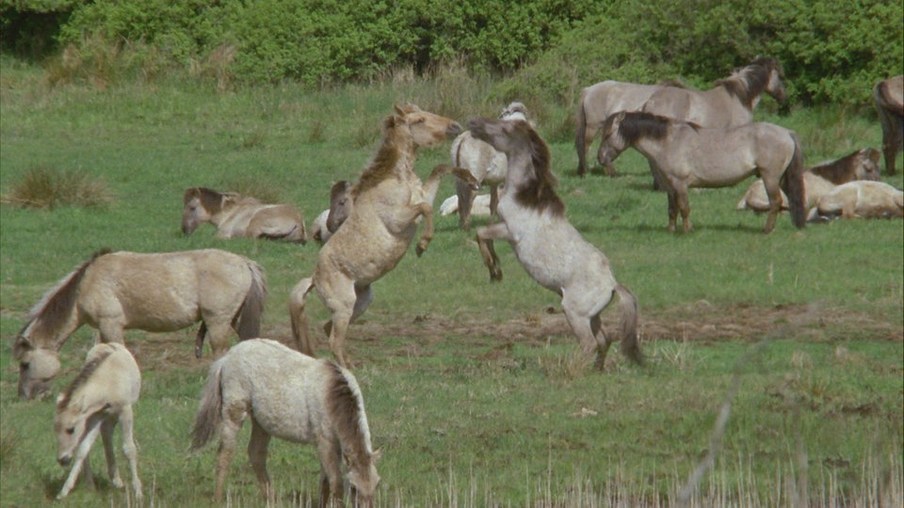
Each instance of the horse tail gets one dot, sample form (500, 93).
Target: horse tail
(252, 310)
(792, 183)
(298, 318)
(580, 141)
(629, 344)
(210, 412)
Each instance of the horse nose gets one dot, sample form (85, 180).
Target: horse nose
(454, 129)
(64, 460)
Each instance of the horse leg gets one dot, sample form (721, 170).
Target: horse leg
(299, 318)
(81, 457)
(106, 434)
(229, 428)
(110, 331)
(257, 456)
(426, 210)
(465, 201)
(673, 209)
(494, 198)
(685, 209)
(773, 192)
(330, 470)
(219, 336)
(485, 237)
(603, 343)
(580, 325)
(341, 303)
(127, 422)
(199, 340)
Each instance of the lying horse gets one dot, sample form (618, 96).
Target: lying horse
(330, 219)
(237, 216)
(485, 164)
(101, 396)
(293, 397)
(860, 199)
(159, 292)
(388, 201)
(889, 97)
(685, 155)
(551, 250)
(819, 180)
(479, 206)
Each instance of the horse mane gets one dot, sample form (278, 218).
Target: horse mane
(748, 83)
(57, 302)
(383, 164)
(842, 170)
(211, 200)
(636, 125)
(540, 191)
(346, 412)
(89, 368)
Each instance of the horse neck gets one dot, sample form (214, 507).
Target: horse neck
(520, 170)
(53, 338)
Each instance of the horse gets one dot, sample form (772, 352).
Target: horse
(551, 250)
(684, 155)
(235, 215)
(330, 219)
(729, 103)
(98, 398)
(293, 397)
(479, 206)
(861, 164)
(387, 202)
(160, 292)
(860, 199)
(888, 95)
(486, 165)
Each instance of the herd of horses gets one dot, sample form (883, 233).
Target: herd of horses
(690, 139)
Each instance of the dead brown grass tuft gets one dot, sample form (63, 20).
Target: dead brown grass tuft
(47, 187)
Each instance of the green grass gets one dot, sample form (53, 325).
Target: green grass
(473, 389)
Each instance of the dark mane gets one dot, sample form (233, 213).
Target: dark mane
(751, 81)
(55, 306)
(638, 125)
(383, 164)
(83, 376)
(345, 412)
(540, 192)
(211, 200)
(844, 169)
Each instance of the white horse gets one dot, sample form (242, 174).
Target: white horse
(487, 165)
(551, 250)
(480, 205)
(860, 199)
(101, 396)
(236, 216)
(293, 397)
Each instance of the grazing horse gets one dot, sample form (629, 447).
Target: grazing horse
(100, 396)
(294, 397)
(819, 180)
(161, 292)
(685, 155)
(486, 165)
(388, 201)
(238, 216)
(551, 250)
(330, 219)
(889, 97)
(860, 199)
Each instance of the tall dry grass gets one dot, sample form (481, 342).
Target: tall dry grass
(48, 187)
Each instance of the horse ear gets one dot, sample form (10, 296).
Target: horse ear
(21, 346)
(873, 154)
(377, 455)
(398, 109)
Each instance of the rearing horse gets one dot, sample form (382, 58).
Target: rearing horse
(388, 201)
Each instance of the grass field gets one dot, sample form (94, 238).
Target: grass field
(474, 390)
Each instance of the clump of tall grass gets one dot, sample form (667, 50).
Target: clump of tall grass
(48, 187)
(9, 443)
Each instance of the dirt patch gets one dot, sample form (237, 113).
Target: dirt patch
(699, 322)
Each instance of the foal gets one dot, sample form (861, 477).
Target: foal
(551, 250)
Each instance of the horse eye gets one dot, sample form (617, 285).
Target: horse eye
(70, 430)
(23, 365)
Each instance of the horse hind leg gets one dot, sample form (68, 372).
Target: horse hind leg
(603, 343)
(232, 423)
(298, 317)
(581, 326)
(257, 456)
(129, 449)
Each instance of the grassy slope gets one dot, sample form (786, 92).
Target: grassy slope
(466, 416)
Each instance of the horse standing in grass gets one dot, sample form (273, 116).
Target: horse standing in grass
(684, 155)
(551, 250)
(819, 180)
(160, 292)
(388, 201)
(485, 164)
(238, 216)
(100, 396)
(889, 97)
(294, 397)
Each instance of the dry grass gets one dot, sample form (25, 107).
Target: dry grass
(47, 187)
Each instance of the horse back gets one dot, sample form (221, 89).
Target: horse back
(889, 95)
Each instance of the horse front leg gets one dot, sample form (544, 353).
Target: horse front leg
(427, 233)
(127, 422)
(673, 210)
(485, 237)
(106, 434)
(685, 209)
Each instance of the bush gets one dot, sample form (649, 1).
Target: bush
(45, 187)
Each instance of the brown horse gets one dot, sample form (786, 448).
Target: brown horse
(889, 97)
(388, 201)
(238, 216)
(551, 250)
(159, 292)
(684, 155)
(819, 180)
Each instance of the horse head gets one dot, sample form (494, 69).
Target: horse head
(868, 164)
(774, 85)
(613, 142)
(364, 480)
(340, 204)
(37, 367)
(426, 129)
(199, 205)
